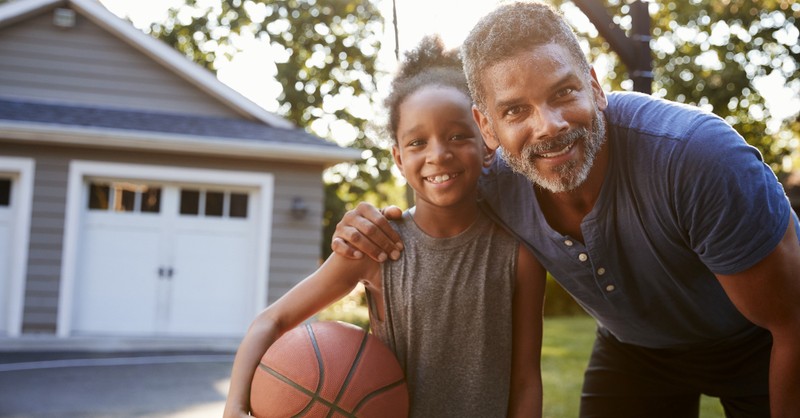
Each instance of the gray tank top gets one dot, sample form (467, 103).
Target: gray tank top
(448, 318)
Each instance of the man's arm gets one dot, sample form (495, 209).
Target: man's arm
(768, 294)
(365, 230)
(526, 372)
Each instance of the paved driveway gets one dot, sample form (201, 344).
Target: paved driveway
(134, 384)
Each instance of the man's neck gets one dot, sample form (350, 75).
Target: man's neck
(565, 211)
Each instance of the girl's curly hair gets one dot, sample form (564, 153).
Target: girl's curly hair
(428, 64)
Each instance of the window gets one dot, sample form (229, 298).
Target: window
(5, 192)
(238, 205)
(213, 203)
(124, 197)
(190, 202)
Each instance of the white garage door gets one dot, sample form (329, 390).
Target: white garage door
(165, 259)
(6, 235)
(16, 184)
(158, 258)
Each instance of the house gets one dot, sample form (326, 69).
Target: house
(139, 196)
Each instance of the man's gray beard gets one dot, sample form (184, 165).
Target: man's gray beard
(569, 175)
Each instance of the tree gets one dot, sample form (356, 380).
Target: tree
(708, 53)
(325, 52)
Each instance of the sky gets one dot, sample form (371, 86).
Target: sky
(248, 71)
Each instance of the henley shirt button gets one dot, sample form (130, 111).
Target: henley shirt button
(583, 257)
(568, 243)
(610, 288)
(601, 271)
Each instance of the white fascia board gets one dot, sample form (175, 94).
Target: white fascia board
(184, 144)
(19, 10)
(172, 59)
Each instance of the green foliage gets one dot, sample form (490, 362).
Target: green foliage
(558, 302)
(707, 53)
(325, 52)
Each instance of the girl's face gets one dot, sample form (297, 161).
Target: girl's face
(439, 148)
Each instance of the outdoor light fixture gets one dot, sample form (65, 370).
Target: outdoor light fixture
(299, 208)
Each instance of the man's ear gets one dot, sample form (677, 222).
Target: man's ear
(485, 127)
(600, 99)
(489, 155)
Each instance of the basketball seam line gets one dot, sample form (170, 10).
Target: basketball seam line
(377, 392)
(351, 372)
(314, 397)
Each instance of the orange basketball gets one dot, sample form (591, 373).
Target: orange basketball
(329, 369)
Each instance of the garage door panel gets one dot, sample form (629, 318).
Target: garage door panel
(211, 296)
(117, 284)
(5, 263)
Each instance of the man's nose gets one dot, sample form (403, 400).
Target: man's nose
(549, 122)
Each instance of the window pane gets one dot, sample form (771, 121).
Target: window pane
(190, 202)
(5, 192)
(124, 200)
(98, 196)
(214, 202)
(238, 205)
(151, 200)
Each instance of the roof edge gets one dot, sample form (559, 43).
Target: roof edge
(184, 144)
(20, 10)
(173, 60)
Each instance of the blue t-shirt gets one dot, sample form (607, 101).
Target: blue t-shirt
(684, 197)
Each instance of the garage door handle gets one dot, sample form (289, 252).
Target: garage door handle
(165, 272)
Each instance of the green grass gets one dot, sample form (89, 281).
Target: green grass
(565, 353)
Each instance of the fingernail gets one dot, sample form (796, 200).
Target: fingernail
(382, 257)
(399, 246)
(358, 254)
(395, 255)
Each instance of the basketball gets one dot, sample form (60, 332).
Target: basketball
(328, 369)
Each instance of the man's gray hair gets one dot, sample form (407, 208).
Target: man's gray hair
(510, 29)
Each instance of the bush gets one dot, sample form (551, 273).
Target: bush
(558, 302)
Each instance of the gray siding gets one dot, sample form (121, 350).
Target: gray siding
(87, 65)
(295, 247)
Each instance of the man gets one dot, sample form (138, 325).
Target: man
(658, 218)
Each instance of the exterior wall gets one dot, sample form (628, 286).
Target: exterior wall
(295, 247)
(87, 65)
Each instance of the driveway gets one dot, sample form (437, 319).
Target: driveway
(119, 384)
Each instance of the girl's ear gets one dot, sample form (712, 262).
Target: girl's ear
(486, 129)
(398, 160)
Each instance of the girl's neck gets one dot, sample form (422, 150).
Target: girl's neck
(445, 222)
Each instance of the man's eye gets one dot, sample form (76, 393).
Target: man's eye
(565, 92)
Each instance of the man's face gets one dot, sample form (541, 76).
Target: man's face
(546, 114)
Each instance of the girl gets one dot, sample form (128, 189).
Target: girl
(457, 307)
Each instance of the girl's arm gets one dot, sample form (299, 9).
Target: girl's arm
(332, 281)
(528, 303)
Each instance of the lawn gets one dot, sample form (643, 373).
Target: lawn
(565, 352)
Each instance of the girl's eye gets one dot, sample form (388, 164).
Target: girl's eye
(416, 143)
(457, 137)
